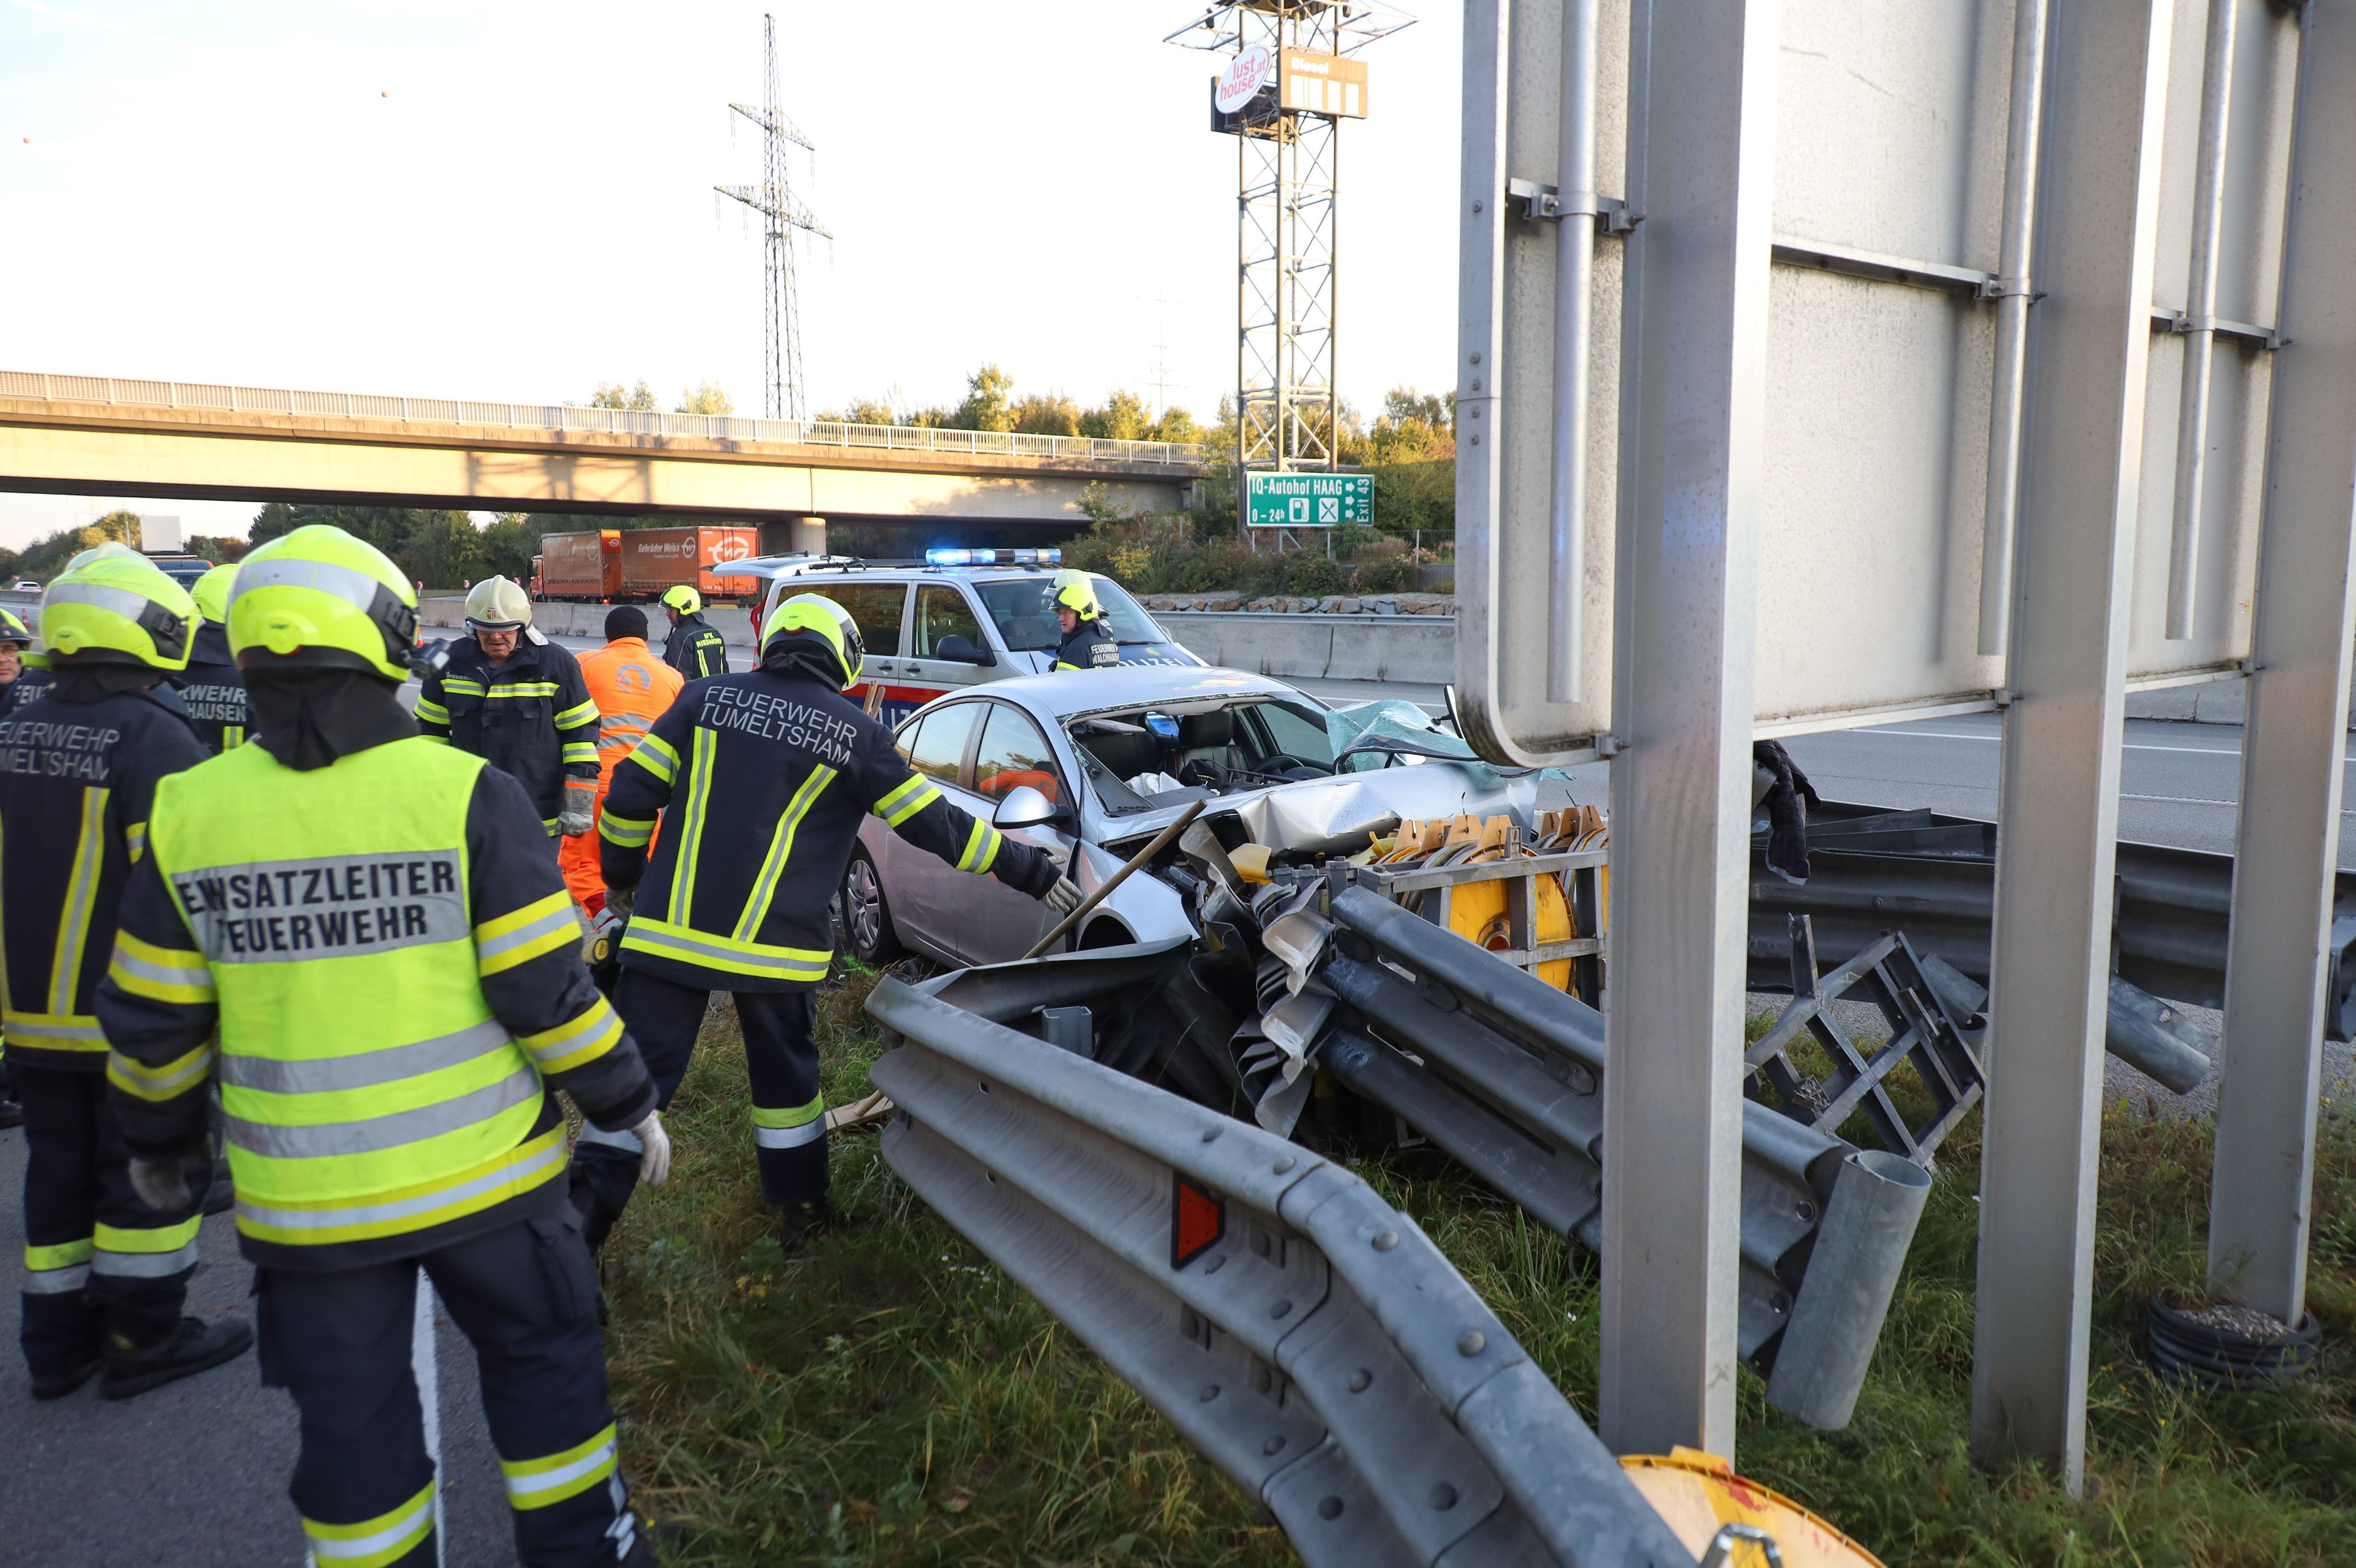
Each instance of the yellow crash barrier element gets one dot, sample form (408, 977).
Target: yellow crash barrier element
(1698, 1493)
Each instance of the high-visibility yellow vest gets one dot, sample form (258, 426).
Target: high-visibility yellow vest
(370, 1091)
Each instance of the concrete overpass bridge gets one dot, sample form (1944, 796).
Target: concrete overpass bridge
(103, 435)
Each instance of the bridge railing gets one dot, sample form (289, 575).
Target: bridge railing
(615, 420)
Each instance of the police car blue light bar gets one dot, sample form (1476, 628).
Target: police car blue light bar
(945, 555)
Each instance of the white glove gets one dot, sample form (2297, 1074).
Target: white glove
(1064, 896)
(654, 1157)
(161, 1184)
(579, 813)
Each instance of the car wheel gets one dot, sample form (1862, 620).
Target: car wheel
(866, 918)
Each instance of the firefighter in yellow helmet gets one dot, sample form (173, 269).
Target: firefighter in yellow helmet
(778, 758)
(211, 687)
(106, 1268)
(364, 936)
(694, 648)
(1087, 641)
(19, 682)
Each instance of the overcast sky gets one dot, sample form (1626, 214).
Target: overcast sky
(505, 201)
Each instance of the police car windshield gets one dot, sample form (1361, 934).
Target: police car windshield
(1026, 622)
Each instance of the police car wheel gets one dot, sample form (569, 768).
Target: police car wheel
(866, 918)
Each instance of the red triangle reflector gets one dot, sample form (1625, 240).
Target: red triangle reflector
(1197, 1221)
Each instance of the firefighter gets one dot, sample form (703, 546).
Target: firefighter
(1087, 639)
(212, 690)
(15, 690)
(360, 933)
(776, 759)
(693, 649)
(106, 1273)
(631, 688)
(516, 700)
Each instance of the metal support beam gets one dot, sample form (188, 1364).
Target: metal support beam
(2059, 794)
(2291, 770)
(1694, 424)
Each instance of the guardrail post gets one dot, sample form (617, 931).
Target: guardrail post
(2057, 802)
(2291, 767)
(1700, 165)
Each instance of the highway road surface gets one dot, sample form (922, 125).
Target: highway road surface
(195, 1475)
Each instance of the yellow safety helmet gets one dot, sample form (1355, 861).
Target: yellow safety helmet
(318, 598)
(118, 609)
(99, 552)
(816, 625)
(494, 604)
(1073, 591)
(684, 599)
(211, 594)
(11, 629)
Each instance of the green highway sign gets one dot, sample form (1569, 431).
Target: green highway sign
(1308, 501)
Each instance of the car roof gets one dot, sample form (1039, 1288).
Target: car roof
(1070, 694)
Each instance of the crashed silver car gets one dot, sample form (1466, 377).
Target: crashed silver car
(1105, 759)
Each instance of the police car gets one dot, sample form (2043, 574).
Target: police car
(957, 619)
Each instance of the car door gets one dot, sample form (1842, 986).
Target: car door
(922, 888)
(942, 611)
(992, 921)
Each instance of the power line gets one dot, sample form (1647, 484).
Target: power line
(773, 199)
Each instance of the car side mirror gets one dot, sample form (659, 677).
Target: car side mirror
(961, 651)
(1024, 807)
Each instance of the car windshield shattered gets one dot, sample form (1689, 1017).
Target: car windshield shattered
(1156, 758)
(1025, 619)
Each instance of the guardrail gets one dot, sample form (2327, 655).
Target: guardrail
(1307, 1337)
(613, 421)
(1506, 1073)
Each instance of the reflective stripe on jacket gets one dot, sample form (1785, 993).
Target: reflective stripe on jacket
(531, 717)
(632, 689)
(77, 783)
(394, 972)
(695, 648)
(761, 780)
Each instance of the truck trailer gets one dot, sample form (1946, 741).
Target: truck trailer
(655, 558)
(582, 567)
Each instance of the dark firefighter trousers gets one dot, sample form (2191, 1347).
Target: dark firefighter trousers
(781, 1061)
(100, 1267)
(340, 1341)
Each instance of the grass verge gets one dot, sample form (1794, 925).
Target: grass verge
(890, 1398)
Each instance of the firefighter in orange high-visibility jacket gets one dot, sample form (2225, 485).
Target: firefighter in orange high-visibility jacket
(363, 935)
(632, 688)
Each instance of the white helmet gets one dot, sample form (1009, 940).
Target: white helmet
(497, 605)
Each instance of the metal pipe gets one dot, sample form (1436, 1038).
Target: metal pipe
(1574, 288)
(2200, 319)
(1104, 889)
(2013, 297)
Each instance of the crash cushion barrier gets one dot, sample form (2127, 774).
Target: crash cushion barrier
(1510, 1083)
(1302, 1333)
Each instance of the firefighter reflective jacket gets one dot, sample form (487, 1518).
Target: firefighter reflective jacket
(77, 784)
(395, 973)
(1089, 646)
(531, 717)
(695, 650)
(213, 691)
(761, 780)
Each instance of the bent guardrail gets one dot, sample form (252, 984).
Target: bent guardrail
(1308, 1339)
(1506, 1074)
